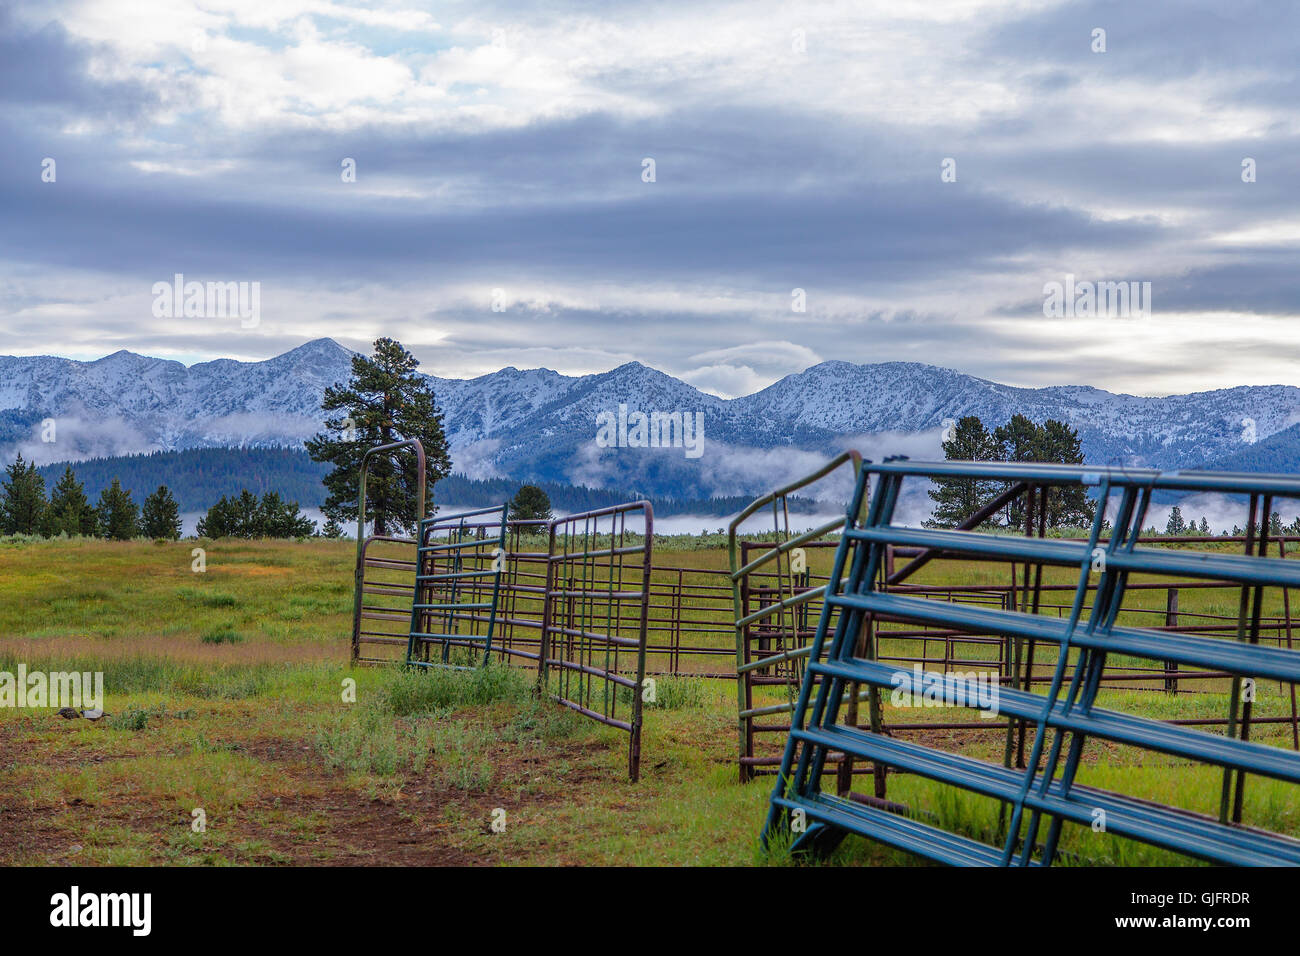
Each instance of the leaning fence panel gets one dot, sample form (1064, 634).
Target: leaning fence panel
(1036, 801)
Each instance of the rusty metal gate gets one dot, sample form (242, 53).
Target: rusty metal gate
(384, 574)
(593, 646)
(776, 595)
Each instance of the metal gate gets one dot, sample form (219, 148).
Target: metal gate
(776, 597)
(459, 561)
(383, 577)
(1045, 791)
(593, 647)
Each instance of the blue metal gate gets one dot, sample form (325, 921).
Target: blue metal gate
(1045, 791)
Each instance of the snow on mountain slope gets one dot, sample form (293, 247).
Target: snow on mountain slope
(537, 423)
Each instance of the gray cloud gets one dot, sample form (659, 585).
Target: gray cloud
(767, 179)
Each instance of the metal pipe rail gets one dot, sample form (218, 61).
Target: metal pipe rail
(362, 541)
(771, 625)
(457, 560)
(387, 579)
(594, 618)
(1066, 716)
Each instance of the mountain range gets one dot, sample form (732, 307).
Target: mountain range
(537, 424)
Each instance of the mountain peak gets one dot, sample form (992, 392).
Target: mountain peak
(121, 355)
(538, 424)
(323, 346)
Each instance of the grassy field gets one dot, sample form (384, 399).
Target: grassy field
(226, 699)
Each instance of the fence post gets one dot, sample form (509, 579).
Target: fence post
(1171, 620)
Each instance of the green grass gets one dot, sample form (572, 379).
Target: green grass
(231, 691)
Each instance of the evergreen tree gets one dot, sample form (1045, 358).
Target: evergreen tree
(1275, 525)
(161, 516)
(1052, 442)
(530, 504)
(247, 517)
(1018, 440)
(69, 511)
(386, 400)
(956, 499)
(22, 499)
(1205, 526)
(277, 518)
(1067, 507)
(331, 529)
(117, 515)
(1175, 524)
(219, 522)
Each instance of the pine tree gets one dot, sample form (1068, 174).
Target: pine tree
(331, 529)
(117, 514)
(1205, 526)
(956, 499)
(248, 517)
(530, 503)
(277, 518)
(1175, 524)
(1018, 440)
(69, 511)
(386, 400)
(1052, 442)
(161, 516)
(1067, 506)
(22, 499)
(219, 522)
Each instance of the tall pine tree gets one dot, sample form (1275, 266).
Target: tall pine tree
(957, 499)
(69, 511)
(1020, 439)
(117, 513)
(1067, 507)
(386, 400)
(161, 516)
(530, 503)
(22, 499)
(1175, 524)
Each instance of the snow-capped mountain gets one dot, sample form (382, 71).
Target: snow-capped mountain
(539, 424)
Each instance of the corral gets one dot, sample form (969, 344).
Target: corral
(777, 594)
(676, 661)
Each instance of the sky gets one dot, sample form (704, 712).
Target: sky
(920, 169)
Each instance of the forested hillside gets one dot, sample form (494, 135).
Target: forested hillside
(198, 477)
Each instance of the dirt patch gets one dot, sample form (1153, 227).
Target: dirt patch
(407, 820)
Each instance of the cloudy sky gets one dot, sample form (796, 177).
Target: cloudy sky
(500, 157)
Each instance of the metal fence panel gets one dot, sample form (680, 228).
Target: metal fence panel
(1045, 790)
(459, 562)
(593, 650)
(774, 595)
